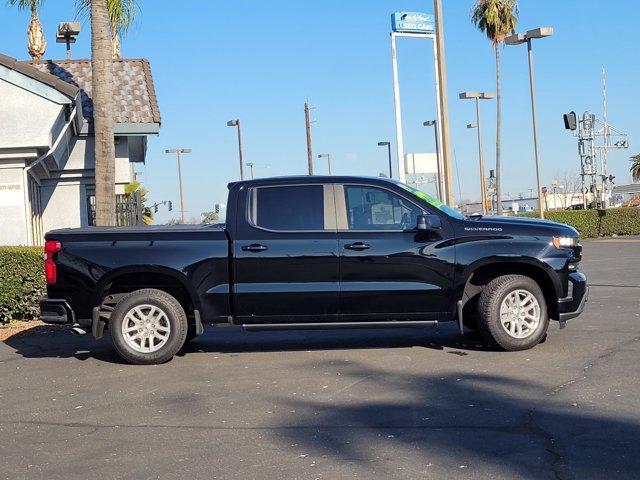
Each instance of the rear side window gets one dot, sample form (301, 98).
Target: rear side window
(288, 208)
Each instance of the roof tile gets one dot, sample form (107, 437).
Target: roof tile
(134, 94)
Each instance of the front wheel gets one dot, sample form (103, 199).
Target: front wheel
(512, 312)
(148, 327)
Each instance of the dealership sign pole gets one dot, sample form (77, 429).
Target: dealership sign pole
(414, 25)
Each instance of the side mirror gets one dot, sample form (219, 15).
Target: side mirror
(429, 222)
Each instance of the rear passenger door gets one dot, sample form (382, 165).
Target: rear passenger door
(285, 255)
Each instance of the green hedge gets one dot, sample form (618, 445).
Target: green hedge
(598, 223)
(21, 282)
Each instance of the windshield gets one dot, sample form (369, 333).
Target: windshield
(432, 201)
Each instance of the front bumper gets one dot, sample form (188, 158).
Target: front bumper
(573, 304)
(56, 312)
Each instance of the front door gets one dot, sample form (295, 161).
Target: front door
(388, 269)
(285, 255)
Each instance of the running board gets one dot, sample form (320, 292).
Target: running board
(338, 325)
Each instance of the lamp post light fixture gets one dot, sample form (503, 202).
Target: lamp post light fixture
(388, 145)
(236, 123)
(439, 183)
(250, 165)
(477, 96)
(328, 157)
(517, 39)
(179, 152)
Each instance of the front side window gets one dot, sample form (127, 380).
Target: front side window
(288, 208)
(371, 208)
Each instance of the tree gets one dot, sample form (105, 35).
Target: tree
(210, 217)
(122, 14)
(496, 19)
(635, 168)
(102, 85)
(36, 43)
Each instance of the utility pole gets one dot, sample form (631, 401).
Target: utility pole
(307, 121)
(179, 152)
(444, 106)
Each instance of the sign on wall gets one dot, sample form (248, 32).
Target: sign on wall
(11, 195)
(412, 22)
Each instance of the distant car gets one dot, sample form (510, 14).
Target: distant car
(315, 253)
(577, 206)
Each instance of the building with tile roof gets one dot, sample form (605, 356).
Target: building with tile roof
(46, 141)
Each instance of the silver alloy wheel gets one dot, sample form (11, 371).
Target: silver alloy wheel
(520, 313)
(146, 328)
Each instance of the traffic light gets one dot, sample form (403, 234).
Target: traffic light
(570, 121)
(216, 208)
(155, 208)
(170, 205)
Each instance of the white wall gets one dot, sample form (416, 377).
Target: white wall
(64, 205)
(13, 227)
(26, 119)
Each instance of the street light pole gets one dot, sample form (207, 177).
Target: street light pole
(236, 123)
(477, 96)
(517, 39)
(328, 157)
(388, 145)
(250, 165)
(179, 152)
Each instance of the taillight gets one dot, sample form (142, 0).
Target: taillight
(51, 247)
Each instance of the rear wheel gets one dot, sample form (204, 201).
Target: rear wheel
(512, 313)
(148, 327)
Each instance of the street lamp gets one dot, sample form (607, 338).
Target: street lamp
(328, 157)
(517, 39)
(388, 145)
(477, 96)
(434, 124)
(250, 165)
(236, 123)
(179, 152)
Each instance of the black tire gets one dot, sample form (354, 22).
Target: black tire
(489, 321)
(175, 316)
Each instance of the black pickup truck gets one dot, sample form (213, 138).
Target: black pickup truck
(315, 253)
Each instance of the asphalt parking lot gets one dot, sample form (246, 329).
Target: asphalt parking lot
(381, 404)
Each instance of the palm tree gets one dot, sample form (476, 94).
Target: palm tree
(122, 14)
(101, 65)
(36, 43)
(635, 168)
(496, 19)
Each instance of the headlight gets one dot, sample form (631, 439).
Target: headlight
(564, 242)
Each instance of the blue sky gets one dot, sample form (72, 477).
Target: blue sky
(260, 61)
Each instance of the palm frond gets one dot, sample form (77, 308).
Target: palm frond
(32, 5)
(122, 13)
(495, 18)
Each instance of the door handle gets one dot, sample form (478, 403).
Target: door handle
(254, 247)
(357, 246)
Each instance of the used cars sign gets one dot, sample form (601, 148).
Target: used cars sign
(412, 22)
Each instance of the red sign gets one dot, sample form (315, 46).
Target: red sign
(544, 190)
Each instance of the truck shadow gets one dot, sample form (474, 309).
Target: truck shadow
(42, 342)
(386, 420)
